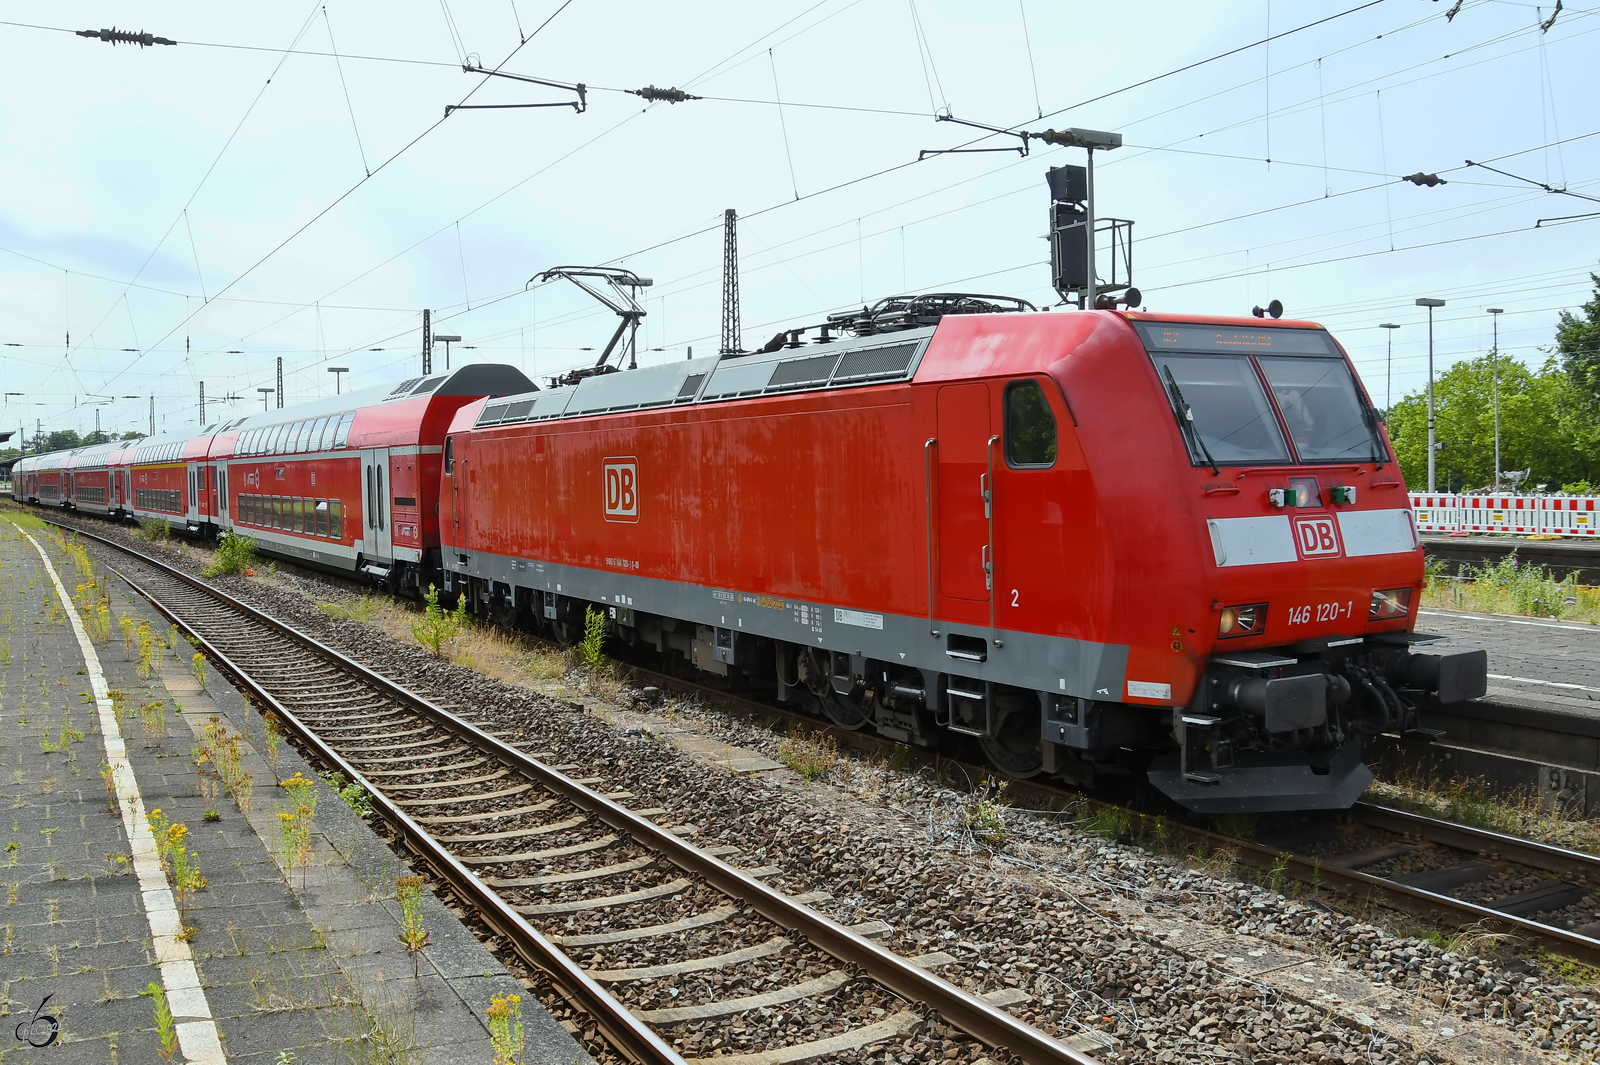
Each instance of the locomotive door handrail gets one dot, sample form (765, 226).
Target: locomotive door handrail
(989, 551)
(927, 489)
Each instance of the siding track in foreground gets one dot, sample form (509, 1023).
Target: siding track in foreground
(529, 847)
(1570, 875)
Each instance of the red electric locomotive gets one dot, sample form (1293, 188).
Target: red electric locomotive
(1090, 540)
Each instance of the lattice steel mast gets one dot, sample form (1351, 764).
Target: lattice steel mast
(731, 344)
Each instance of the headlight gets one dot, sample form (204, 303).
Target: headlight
(1389, 603)
(1242, 620)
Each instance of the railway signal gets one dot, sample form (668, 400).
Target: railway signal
(1073, 226)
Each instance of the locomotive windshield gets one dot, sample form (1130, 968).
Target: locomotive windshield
(1237, 390)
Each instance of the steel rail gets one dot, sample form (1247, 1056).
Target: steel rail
(1443, 909)
(1552, 859)
(629, 1035)
(956, 1006)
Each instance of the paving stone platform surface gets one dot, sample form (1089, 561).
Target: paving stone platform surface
(297, 965)
(1550, 665)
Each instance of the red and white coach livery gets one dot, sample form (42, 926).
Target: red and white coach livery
(348, 483)
(1096, 542)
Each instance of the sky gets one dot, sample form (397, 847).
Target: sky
(285, 180)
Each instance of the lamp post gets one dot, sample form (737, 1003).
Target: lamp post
(1388, 367)
(1494, 360)
(265, 392)
(337, 371)
(1433, 443)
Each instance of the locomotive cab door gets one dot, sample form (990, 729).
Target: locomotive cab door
(965, 554)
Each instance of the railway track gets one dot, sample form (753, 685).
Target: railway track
(561, 869)
(1438, 871)
(1435, 870)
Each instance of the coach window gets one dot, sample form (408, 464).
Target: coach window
(343, 434)
(1030, 427)
(322, 517)
(335, 519)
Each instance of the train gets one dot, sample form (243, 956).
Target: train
(1098, 545)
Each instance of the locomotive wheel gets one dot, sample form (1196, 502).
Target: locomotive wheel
(503, 612)
(1015, 750)
(813, 669)
(843, 712)
(566, 635)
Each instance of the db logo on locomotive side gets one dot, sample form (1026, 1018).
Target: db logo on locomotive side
(622, 488)
(1316, 537)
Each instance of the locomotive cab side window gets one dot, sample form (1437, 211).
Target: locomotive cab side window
(449, 456)
(1030, 427)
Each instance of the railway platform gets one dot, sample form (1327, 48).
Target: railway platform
(290, 951)
(1538, 726)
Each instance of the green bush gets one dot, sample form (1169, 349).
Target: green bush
(234, 554)
(153, 529)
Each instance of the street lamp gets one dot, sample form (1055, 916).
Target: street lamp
(1388, 368)
(447, 342)
(265, 392)
(1433, 444)
(337, 380)
(1494, 360)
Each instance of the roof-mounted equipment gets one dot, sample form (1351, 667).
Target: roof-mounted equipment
(622, 300)
(893, 314)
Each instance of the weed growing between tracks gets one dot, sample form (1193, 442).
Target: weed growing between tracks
(505, 657)
(438, 627)
(1472, 802)
(153, 529)
(1510, 587)
(235, 554)
(810, 756)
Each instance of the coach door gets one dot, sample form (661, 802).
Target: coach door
(375, 505)
(962, 455)
(213, 496)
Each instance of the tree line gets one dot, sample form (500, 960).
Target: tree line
(1549, 417)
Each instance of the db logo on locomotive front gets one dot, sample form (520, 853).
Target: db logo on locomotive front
(621, 480)
(1316, 537)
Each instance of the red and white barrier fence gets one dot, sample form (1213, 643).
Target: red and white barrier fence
(1538, 515)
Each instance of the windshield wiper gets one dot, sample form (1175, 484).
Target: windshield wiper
(1186, 424)
(1377, 436)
